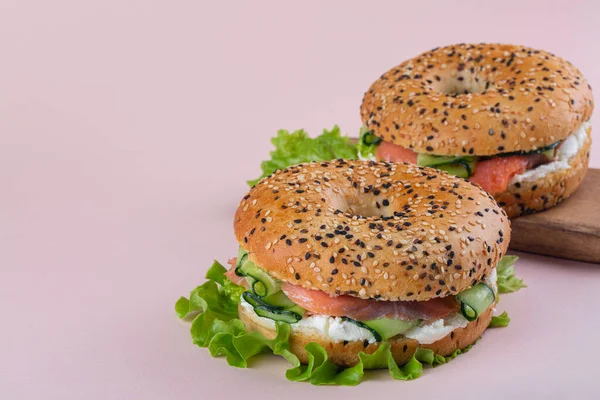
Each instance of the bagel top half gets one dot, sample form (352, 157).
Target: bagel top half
(481, 99)
(372, 229)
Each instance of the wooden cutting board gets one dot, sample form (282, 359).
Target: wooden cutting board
(570, 230)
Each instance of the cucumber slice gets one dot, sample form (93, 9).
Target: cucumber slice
(549, 153)
(476, 300)
(262, 308)
(252, 299)
(459, 170)
(262, 284)
(384, 328)
(369, 139)
(259, 288)
(429, 160)
(241, 257)
(278, 315)
(469, 164)
(461, 166)
(378, 337)
(279, 299)
(387, 327)
(544, 150)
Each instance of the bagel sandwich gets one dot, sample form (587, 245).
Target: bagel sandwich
(513, 119)
(354, 254)
(349, 265)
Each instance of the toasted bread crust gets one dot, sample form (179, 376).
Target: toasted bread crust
(521, 99)
(432, 234)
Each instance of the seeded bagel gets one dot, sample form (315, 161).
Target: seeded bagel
(480, 99)
(346, 354)
(372, 229)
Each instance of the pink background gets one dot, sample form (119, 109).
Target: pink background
(127, 131)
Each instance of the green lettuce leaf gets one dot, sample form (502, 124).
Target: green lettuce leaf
(297, 147)
(501, 320)
(321, 371)
(216, 326)
(210, 296)
(182, 307)
(507, 279)
(367, 144)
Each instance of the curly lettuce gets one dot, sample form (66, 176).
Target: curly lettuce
(508, 281)
(216, 326)
(297, 147)
(501, 320)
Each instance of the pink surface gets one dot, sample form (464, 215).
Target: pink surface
(127, 130)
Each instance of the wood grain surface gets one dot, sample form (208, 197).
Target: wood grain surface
(569, 230)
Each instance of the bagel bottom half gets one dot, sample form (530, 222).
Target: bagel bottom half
(530, 196)
(346, 355)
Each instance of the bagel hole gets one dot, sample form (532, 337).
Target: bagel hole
(462, 83)
(359, 206)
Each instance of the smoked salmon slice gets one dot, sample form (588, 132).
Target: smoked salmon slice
(317, 302)
(493, 175)
(393, 153)
(231, 275)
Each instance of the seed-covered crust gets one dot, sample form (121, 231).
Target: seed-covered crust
(521, 99)
(543, 193)
(372, 229)
(346, 353)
